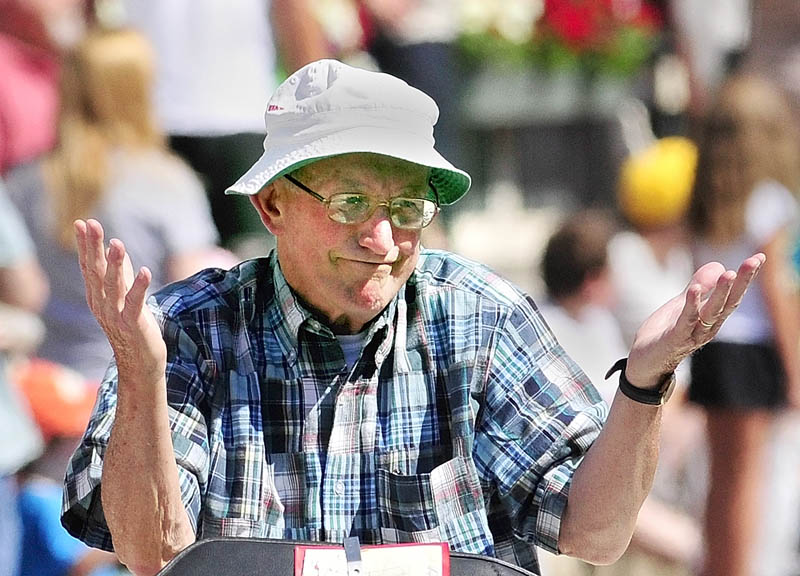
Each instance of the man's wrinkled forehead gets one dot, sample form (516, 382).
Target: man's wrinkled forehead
(356, 166)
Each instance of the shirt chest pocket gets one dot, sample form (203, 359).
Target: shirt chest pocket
(242, 500)
(444, 504)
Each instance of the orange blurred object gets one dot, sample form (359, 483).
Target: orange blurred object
(60, 399)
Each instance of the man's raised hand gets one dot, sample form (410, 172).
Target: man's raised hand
(689, 320)
(117, 300)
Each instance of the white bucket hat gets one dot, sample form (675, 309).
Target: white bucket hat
(328, 108)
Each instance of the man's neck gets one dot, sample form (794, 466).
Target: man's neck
(663, 240)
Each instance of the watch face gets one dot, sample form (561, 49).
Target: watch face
(668, 388)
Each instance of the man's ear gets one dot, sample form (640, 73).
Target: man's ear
(269, 207)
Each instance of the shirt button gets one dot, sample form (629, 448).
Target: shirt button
(338, 488)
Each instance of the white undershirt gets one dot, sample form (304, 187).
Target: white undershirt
(352, 345)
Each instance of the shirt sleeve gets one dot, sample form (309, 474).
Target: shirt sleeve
(541, 415)
(187, 395)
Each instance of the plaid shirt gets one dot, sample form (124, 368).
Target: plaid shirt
(463, 420)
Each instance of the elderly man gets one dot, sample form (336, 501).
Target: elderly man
(353, 383)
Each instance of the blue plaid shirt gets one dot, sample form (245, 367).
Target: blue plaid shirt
(463, 420)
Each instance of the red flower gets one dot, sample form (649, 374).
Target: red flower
(574, 21)
(592, 24)
(649, 17)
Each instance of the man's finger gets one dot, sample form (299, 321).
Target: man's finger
(691, 307)
(134, 299)
(94, 268)
(95, 253)
(744, 277)
(707, 275)
(710, 313)
(80, 239)
(114, 281)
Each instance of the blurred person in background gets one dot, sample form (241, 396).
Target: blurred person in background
(111, 162)
(23, 291)
(774, 49)
(210, 90)
(747, 175)
(33, 34)
(416, 40)
(651, 258)
(60, 401)
(580, 294)
(711, 37)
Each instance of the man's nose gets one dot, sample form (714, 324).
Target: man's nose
(377, 234)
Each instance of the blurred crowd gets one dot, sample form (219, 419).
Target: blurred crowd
(141, 113)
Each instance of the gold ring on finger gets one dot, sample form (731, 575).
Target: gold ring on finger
(704, 324)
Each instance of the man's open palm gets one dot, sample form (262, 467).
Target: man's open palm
(689, 320)
(117, 300)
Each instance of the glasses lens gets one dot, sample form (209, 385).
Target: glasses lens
(412, 212)
(348, 208)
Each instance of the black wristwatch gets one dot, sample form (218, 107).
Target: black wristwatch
(657, 396)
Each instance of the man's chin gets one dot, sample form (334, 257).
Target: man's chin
(375, 294)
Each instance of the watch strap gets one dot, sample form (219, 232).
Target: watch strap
(652, 397)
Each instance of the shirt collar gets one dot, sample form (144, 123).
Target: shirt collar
(291, 314)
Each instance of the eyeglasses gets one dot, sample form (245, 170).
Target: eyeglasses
(354, 208)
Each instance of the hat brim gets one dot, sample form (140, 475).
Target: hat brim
(450, 182)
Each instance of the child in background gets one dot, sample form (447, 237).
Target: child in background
(61, 402)
(580, 296)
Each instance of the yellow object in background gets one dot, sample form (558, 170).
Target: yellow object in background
(655, 185)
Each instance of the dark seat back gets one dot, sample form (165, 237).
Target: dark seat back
(258, 557)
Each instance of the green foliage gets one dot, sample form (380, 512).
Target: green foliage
(622, 53)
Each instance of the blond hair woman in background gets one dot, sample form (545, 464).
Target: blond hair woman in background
(748, 173)
(110, 163)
